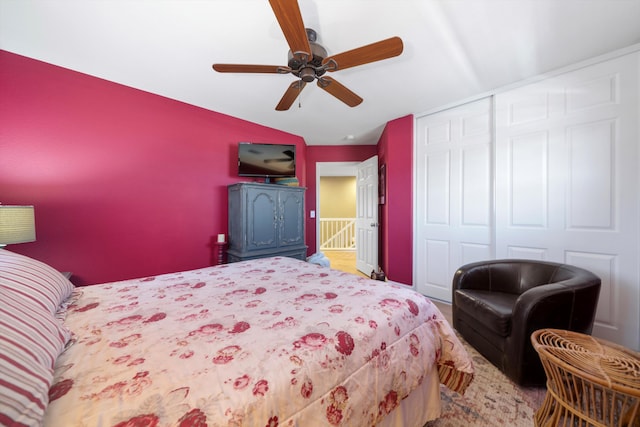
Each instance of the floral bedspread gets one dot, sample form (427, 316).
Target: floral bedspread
(269, 342)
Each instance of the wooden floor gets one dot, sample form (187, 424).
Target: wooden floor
(445, 308)
(343, 261)
(346, 261)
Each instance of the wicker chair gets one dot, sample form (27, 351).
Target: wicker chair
(590, 382)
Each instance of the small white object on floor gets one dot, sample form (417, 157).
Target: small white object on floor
(320, 259)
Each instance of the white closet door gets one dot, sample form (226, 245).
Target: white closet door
(453, 194)
(567, 182)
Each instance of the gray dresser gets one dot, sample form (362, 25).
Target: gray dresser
(265, 220)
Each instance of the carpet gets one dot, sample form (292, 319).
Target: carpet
(491, 400)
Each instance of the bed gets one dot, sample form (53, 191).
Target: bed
(268, 342)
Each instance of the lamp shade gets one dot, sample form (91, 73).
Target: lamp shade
(17, 224)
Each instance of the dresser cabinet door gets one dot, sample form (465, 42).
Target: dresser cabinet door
(262, 218)
(290, 221)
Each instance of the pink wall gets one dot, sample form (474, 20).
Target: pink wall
(327, 153)
(128, 184)
(395, 150)
(125, 183)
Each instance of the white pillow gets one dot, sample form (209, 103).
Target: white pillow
(31, 338)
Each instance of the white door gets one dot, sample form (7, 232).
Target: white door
(567, 182)
(453, 194)
(367, 216)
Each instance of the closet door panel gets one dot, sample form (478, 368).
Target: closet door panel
(528, 180)
(591, 169)
(476, 188)
(453, 194)
(438, 188)
(567, 182)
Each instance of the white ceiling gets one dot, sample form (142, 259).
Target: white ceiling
(453, 50)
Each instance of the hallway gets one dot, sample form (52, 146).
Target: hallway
(343, 261)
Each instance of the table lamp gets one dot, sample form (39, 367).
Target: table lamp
(17, 225)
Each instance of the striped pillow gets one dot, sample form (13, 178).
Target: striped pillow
(31, 338)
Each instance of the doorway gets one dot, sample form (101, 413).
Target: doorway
(330, 177)
(336, 226)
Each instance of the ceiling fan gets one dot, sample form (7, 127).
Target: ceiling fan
(308, 60)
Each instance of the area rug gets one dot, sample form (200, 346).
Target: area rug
(491, 400)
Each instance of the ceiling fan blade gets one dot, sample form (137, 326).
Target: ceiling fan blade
(245, 68)
(290, 95)
(288, 15)
(339, 91)
(383, 49)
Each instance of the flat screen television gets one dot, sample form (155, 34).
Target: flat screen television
(266, 160)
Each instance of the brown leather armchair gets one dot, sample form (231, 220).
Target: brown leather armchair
(498, 304)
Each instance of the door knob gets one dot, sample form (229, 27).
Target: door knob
(373, 224)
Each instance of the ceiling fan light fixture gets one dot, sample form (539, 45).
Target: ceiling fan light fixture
(307, 74)
(296, 60)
